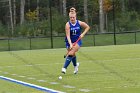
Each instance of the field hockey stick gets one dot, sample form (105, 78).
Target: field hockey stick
(72, 46)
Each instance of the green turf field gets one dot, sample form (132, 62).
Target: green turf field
(103, 69)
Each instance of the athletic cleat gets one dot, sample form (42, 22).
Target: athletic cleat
(76, 69)
(64, 70)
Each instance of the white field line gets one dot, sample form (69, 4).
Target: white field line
(109, 60)
(84, 90)
(28, 65)
(43, 81)
(30, 85)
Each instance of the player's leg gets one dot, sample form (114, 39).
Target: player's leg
(71, 57)
(74, 60)
(67, 60)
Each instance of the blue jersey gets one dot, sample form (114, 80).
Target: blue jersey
(75, 31)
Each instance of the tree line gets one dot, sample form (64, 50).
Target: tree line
(32, 17)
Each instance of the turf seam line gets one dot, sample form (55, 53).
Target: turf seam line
(31, 85)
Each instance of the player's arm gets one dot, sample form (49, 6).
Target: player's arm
(67, 30)
(86, 28)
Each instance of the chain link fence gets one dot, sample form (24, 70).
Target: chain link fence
(121, 24)
(98, 39)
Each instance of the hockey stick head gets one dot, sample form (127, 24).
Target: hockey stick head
(64, 56)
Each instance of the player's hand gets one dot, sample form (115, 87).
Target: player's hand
(71, 45)
(81, 36)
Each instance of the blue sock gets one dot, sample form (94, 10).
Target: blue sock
(74, 61)
(67, 61)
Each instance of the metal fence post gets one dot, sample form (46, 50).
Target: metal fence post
(135, 37)
(114, 26)
(51, 23)
(94, 39)
(30, 43)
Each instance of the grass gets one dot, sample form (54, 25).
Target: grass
(103, 69)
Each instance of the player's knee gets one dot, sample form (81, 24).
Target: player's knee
(72, 53)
